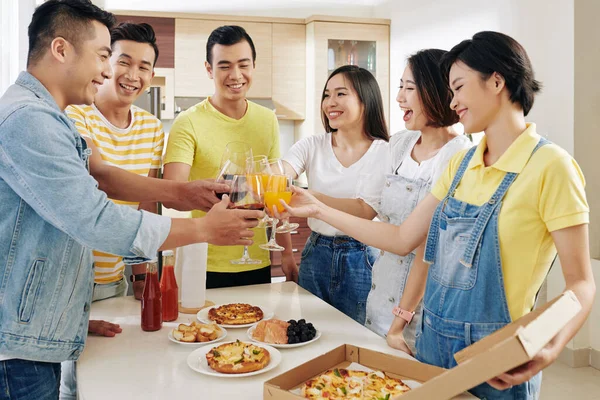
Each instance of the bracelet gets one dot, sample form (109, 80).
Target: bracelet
(402, 313)
(137, 277)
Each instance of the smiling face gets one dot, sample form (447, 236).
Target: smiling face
(132, 64)
(410, 102)
(89, 66)
(341, 104)
(475, 100)
(231, 69)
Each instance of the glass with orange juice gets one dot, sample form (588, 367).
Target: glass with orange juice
(278, 188)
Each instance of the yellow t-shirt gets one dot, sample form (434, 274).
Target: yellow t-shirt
(198, 138)
(548, 195)
(137, 148)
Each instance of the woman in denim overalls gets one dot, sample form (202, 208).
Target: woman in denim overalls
(466, 296)
(419, 156)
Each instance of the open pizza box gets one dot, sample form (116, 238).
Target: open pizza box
(502, 351)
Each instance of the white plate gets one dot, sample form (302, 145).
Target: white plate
(197, 361)
(283, 346)
(203, 316)
(196, 344)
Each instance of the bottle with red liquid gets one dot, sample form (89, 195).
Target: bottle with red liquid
(151, 299)
(168, 288)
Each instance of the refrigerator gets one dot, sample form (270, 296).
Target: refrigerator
(150, 101)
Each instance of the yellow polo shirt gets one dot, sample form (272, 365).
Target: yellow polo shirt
(198, 138)
(548, 195)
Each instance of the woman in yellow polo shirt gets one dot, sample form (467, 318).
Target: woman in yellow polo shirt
(495, 219)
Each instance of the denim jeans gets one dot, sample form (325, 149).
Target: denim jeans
(29, 380)
(68, 379)
(338, 270)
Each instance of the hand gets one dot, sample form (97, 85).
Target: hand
(138, 289)
(395, 339)
(199, 195)
(227, 227)
(303, 204)
(525, 372)
(289, 267)
(103, 328)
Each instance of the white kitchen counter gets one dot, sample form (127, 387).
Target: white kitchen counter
(146, 365)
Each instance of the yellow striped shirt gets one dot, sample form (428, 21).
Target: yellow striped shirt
(137, 148)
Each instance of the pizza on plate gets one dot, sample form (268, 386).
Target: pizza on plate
(235, 314)
(341, 383)
(237, 358)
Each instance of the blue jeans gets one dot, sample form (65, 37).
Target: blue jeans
(338, 270)
(29, 380)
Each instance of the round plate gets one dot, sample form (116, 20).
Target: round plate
(283, 346)
(197, 361)
(203, 317)
(196, 344)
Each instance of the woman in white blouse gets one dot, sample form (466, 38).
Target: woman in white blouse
(354, 150)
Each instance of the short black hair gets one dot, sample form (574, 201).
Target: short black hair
(369, 94)
(432, 88)
(141, 33)
(69, 19)
(488, 52)
(228, 35)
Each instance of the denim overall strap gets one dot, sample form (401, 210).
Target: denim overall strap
(434, 228)
(489, 208)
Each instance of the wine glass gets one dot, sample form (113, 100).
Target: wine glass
(233, 162)
(276, 167)
(246, 194)
(258, 167)
(278, 188)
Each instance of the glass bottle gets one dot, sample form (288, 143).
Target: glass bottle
(371, 56)
(353, 54)
(151, 299)
(168, 288)
(340, 56)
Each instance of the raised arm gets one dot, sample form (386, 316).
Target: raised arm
(396, 239)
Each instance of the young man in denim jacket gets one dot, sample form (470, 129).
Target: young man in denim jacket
(52, 211)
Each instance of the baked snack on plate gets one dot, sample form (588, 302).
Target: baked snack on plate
(237, 358)
(197, 332)
(235, 314)
(341, 383)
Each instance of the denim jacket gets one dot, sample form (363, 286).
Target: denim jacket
(51, 216)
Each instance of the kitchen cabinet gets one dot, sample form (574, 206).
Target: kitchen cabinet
(164, 29)
(191, 78)
(363, 42)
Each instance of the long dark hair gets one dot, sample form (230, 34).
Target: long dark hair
(432, 88)
(368, 92)
(490, 52)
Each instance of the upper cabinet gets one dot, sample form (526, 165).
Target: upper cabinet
(329, 45)
(191, 78)
(164, 28)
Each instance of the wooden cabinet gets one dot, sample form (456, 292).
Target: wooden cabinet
(319, 32)
(299, 237)
(191, 78)
(164, 29)
(289, 70)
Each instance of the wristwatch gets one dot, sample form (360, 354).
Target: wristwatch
(402, 313)
(137, 277)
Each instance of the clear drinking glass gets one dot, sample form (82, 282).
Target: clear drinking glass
(259, 167)
(246, 194)
(278, 188)
(276, 168)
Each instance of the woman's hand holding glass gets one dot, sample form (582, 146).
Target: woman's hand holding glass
(303, 204)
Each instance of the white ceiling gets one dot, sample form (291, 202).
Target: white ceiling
(298, 8)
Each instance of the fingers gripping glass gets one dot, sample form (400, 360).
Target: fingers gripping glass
(246, 194)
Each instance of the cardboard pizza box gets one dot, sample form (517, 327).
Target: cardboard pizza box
(505, 349)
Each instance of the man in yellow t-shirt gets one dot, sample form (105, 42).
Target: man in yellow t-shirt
(198, 138)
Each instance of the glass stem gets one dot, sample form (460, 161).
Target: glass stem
(246, 255)
(273, 229)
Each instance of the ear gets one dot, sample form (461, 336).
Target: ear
(209, 70)
(497, 82)
(60, 49)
